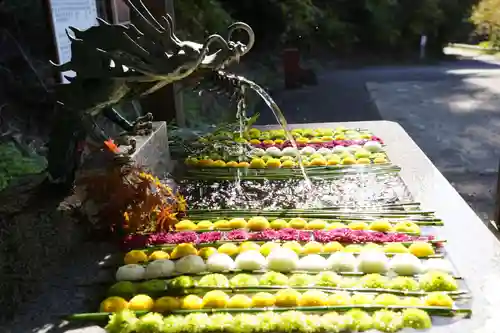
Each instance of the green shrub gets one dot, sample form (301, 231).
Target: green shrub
(486, 17)
(14, 164)
(196, 19)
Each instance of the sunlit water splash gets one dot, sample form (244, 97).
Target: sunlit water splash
(351, 190)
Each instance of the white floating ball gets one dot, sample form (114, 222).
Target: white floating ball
(131, 272)
(290, 151)
(307, 150)
(190, 264)
(159, 268)
(373, 146)
(282, 260)
(373, 262)
(342, 262)
(313, 263)
(250, 261)
(406, 264)
(274, 151)
(324, 151)
(339, 149)
(258, 152)
(220, 262)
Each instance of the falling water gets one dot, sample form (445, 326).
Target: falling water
(280, 117)
(241, 115)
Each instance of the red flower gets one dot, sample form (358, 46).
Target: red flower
(111, 146)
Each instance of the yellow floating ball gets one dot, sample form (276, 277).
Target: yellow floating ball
(113, 304)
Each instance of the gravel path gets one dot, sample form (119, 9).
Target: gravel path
(451, 110)
(65, 293)
(456, 122)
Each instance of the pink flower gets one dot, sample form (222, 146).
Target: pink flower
(237, 235)
(210, 237)
(268, 234)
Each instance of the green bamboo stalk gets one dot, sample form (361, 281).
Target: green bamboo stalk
(423, 221)
(301, 212)
(95, 316)
(382, 208)
(219, 243)
(271, 173)
(339, 168)
(369, 167)
(305, 212)
(330, 290)
(237, 271)
(440, 311)
(323, 254)
(433, 310)
(313, 176)
(200, 231)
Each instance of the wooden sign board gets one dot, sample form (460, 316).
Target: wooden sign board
(81, 14)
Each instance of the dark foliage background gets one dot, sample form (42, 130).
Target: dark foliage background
(332, 28)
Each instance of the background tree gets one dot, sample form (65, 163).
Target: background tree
(486, 17)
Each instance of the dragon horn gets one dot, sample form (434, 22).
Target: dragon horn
(245, 27)
(147, 27)
(75, 31)
(102, 22)
(139, 8)
(210, 40)
(168, 19)
(134, 29)
(169, 37)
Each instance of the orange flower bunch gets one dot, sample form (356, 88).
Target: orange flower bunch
(160, 207)
(126, 198)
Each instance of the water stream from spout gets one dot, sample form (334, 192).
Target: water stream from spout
(241, 115)
(280, 118)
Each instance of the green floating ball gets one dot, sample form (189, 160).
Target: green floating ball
(387, 321)
(152, 288)
(273, 279)
(125, 289)
(416, 318)
(359, 320)
(182, 282)
(244, 280)
(301, 280)
(214, 280)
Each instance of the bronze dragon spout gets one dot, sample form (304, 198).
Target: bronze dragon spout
(121, 63)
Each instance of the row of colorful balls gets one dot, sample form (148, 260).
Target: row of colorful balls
(259, 223)
(419, 249)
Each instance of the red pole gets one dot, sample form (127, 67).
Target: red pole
(291, 59)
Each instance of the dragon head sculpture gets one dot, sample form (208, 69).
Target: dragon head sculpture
(149, 50)
(117, 63)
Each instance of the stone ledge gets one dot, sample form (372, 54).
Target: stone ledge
(153, 151)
